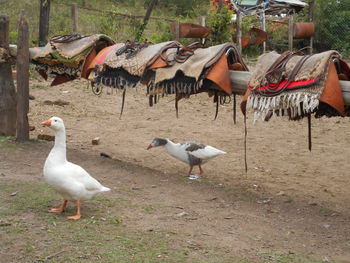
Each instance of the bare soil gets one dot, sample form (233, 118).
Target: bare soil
(290, 199)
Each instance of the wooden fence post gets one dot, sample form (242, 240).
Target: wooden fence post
(311, 19)
(74, 15)
(22, 79)
(177, 30)
(239, 32)
(44, 21)
(7, 88)
(202, 22)
(290, 33)
(263, 27)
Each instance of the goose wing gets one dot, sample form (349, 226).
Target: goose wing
(80, 175)
(202, 151)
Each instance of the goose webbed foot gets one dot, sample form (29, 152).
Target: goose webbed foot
(61, 209)
(78, 215)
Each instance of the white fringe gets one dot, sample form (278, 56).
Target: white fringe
(298, 103)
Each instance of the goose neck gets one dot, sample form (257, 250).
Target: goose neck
(59, 149)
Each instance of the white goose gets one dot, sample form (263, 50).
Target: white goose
(192, 153)
(68, 179)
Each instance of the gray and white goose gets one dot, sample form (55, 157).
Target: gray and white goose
(192, 153)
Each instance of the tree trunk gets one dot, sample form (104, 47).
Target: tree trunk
(8, 103)
(145, 20)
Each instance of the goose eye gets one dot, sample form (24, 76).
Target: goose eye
(55, 120)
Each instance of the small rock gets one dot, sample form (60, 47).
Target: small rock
(280, 193)
(31, 97)
(312, 203)
(46, 137)
(95, 141)
(326, 226)
(181, 214)
(105, 155)
(13, 194)
(31, 128)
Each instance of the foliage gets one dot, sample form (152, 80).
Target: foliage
(332, 25)
(183, 8)
(220, 23)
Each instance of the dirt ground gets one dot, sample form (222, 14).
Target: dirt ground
(289, 200)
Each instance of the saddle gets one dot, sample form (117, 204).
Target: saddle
(170, 68)
(65, 56)
(195, 69)
(126, 64)
(296, 85)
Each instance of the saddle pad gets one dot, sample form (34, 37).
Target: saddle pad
(71, 49)
(136, 64)
(188, 76)
(293, 90)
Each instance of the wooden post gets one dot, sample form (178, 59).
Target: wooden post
(44, 21)
(239, 32)
(290, 33)
(8, 110)
(202, 23)
(311, 18)
(263, 27)
(221, 3)
(22, 80)
(177, 30)
(74, 15)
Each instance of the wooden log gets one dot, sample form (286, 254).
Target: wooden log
(74, 16)
(44, 21)
(8, 102)
(22, 80)
(239, 84)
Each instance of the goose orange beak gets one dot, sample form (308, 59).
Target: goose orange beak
(46, 123)
(149, 147)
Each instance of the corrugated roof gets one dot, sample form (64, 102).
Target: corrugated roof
(291, 2)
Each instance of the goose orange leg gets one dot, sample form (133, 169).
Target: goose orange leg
(77, 216)
(60, 209)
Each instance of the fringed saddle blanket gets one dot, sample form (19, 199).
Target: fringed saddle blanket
(196, 69)
(293, 84)
(169, 68)
(125, 65)
(65, 56)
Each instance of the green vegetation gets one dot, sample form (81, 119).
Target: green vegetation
(220, 23)
(331, 30)
(332, 25)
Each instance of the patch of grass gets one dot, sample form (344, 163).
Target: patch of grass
(32, 232)
(287, 257)
(38, 86)
(4, 138)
